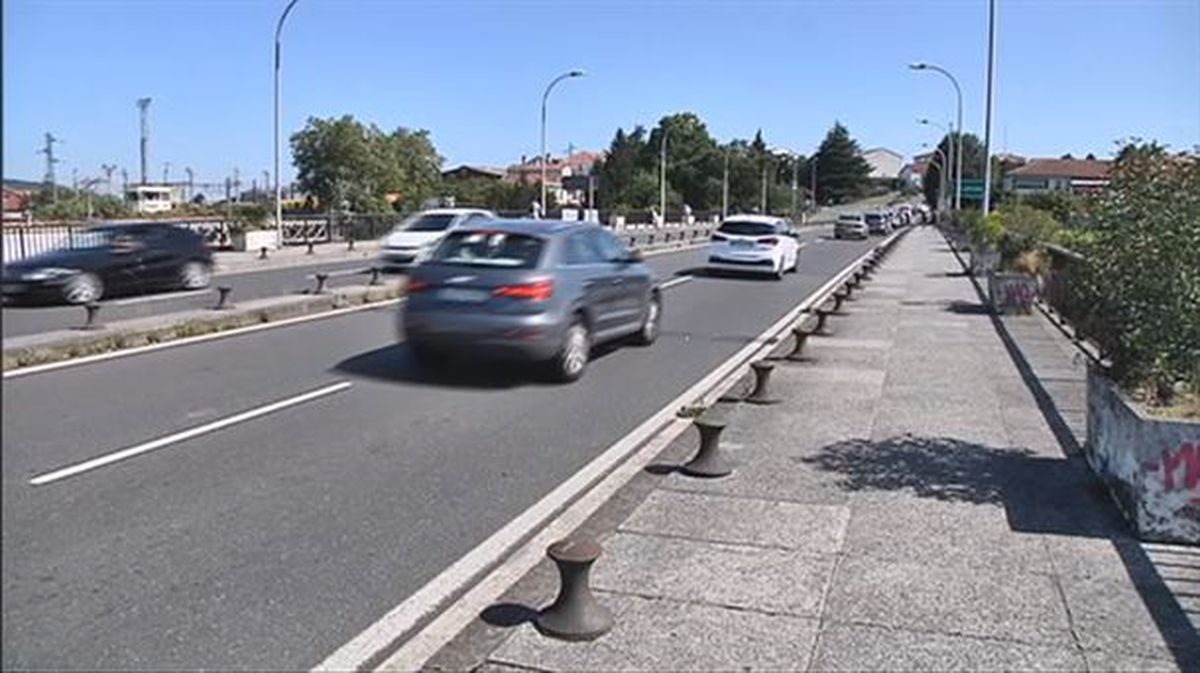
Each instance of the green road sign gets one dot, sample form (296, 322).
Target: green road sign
(972, 189)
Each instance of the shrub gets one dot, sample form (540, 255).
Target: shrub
(1143, 271)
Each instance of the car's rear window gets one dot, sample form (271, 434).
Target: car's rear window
(427, 223)
(490, 248)
(736, 228)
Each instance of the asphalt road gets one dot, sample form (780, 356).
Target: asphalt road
(22, 320)
(268, 544)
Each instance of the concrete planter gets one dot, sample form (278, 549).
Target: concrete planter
(1012, 292)
(1151, 465)
(984, 262)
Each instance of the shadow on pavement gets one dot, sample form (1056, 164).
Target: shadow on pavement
(508, 614)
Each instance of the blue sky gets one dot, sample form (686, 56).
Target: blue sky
(1072, 75)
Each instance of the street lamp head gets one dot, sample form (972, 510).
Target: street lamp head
(923, 121)
(918, 65)
(577, 73)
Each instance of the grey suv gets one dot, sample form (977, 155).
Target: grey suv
(534, 290)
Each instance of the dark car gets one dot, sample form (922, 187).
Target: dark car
(533, 290)
(112, 259)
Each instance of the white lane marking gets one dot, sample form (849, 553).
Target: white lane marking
(502, 559)
(155, 297)
(100, 357)
(177, 437)
(672, 283)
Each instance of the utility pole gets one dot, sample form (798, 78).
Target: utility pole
(662, 176)
(191, 183)
(48, 150)
(795, 184)
(725, 188)
(75, 179)
(108, 173)
(763, 205)
(124, 181)
(813, 176)
(987, 111)
(166, 172)
(144, 110)
(237, 185)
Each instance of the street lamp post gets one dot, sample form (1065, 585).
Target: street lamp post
(948, 130)
(959, 126)
(987, 115)
(662, 176)
(542, 156)
(725, 188)
(278, 192)
(942, 177)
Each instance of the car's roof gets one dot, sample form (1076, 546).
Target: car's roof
(454, 211)
(761, 219)
(534, 227)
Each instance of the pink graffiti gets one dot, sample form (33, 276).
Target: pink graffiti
(1019, 294)
(1187, 457)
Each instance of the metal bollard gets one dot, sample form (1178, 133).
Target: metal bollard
(575, 614)
(838, 298)
(223, 298)
(848, 289)
(309, 243)
(709, 461)
(822, 317)
(762, 383)
(93, 310)
(262, 252)
(799, 336)
(374, 275)
(350, 245)
(321, 278)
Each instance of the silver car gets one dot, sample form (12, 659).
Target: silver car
(850, 225)
(532, 290)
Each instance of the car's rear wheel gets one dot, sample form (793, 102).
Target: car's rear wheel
(650, 322)
(194, 275)
(572, 358)
(83, 289)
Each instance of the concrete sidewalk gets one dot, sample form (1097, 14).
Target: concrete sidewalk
(915, 502)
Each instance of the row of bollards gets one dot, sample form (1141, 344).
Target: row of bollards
(576, 614)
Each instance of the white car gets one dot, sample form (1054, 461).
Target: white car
(412, 240)
(754, 244)
(850, 225)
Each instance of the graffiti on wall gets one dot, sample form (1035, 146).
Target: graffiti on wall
(1178, 470)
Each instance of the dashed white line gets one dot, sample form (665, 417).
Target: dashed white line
(672, 283)
(177, 437)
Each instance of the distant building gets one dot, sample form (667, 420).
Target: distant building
(16, 200)
(468, 172)
(885, 164)
(562, 175)
(1038, 176)
(152, 198)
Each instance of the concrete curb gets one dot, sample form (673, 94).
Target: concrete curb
(68, 344)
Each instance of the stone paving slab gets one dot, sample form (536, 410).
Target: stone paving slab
(869, 648)
(776, 581)
(814, 529)
(663, 635)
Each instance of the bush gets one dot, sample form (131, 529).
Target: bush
(248, 217)
(1143, 271)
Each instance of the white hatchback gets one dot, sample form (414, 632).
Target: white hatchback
(755, 244)
(413, 239)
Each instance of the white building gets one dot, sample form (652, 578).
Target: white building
(885, 164)
(151, 198)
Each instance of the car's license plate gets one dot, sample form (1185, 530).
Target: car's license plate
(740, 243)
(462, 294)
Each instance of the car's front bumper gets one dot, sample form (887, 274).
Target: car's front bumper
(535, 336)
(403, 259)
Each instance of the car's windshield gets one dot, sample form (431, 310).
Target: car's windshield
(737, 228)
(490, 248)
(426, 223)
(850, 218)
(874, 218)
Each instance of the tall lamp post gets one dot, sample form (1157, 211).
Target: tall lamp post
(542, 156)
(278, 190)
(662, 176)
(958, 126)
(987, 114)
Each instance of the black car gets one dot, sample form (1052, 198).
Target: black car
(109, 260)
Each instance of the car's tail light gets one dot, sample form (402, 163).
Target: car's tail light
(540, 290)
(416, 285)
(718, 237)
(768, 241)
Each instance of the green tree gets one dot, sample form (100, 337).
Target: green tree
(972, 165)
(693, 159)
(842, 173)
(620, 167)
(342, 160)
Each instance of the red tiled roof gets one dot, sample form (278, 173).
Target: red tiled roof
(1092, 169)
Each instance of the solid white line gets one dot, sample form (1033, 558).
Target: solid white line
(672, 283)
(100, 357)
(598, 480)
(177, 437)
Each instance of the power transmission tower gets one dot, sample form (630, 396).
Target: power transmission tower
(124, 181)
(166, 172)
(191, 183)
(237, 185)
(108, 172)
(144, 109)
(48, 150)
